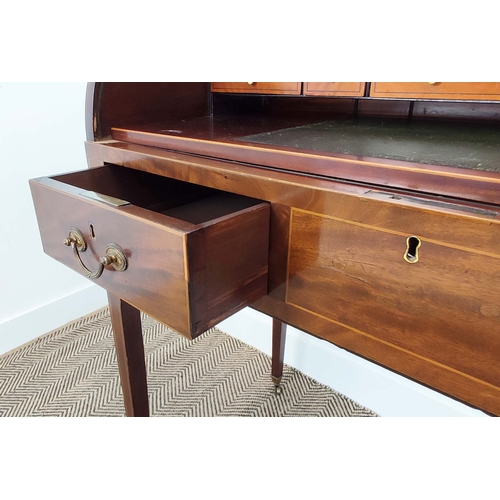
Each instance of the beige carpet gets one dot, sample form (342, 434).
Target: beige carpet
(72, 372)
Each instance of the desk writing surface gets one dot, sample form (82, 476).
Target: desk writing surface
(466, 145)
(462, 144)
(447, 158)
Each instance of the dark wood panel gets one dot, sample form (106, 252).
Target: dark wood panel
(434, 375)
(119, 104)
(278, 351)
(278, 249)
(138, 188)
(459, 225)
(292, 108)
(444, 306)
(384, 107)
(347, 201)
(232, 269)
(473, 112)
(189, 275)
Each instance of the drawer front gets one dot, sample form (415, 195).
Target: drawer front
(176, 269)
(292, 88)
(443, 308)
(340, 89)
(483, 91)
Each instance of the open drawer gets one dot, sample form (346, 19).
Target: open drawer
(188, 255)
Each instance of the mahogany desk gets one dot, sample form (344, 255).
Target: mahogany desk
(366, 214)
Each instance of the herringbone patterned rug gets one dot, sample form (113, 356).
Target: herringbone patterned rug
(72, 372)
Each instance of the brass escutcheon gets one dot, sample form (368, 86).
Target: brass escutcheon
(411, 253)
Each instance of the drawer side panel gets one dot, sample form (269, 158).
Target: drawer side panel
(229, 265)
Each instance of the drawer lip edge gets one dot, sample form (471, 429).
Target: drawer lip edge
(135, 211)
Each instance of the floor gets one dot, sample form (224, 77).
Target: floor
(379, 389)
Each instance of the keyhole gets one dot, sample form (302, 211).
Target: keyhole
(412, 245)
(91, 231)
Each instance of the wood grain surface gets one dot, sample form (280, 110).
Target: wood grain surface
(378, 224)
(257, 87)
(129, 344)
(485, 91)
(343, 225)
(341, 89)
(117, 103)
(227, 254)
(445, 307)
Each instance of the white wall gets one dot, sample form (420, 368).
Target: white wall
(42, 133)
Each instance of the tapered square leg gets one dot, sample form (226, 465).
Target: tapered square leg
(127, 331)
(278, 352)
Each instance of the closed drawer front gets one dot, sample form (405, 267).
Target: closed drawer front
(340, 89)
(483, 91)
(194, 255)
(442, 307)
(292, 88)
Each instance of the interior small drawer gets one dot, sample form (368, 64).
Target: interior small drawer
(473, 91)
(340, 89)
(192, 255)
(291, 88)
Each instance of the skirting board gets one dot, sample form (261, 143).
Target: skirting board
(29, 326)
(381, 390)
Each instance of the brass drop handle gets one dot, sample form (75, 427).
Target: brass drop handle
(114, 255)
(432, 83)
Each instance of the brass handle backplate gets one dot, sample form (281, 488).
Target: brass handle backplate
(114, 257)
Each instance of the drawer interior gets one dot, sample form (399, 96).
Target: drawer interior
(188, 202)
(195, 255)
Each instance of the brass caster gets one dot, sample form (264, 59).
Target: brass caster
(276, 382)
